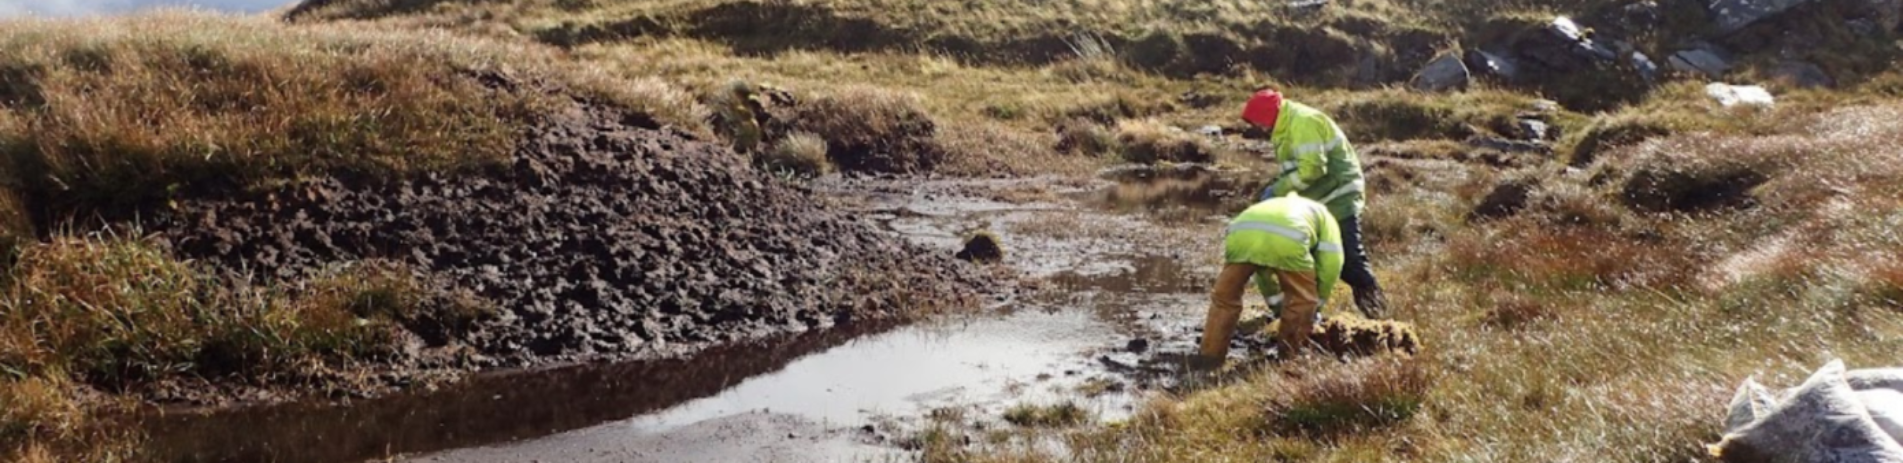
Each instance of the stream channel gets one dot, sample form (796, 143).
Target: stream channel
(1110, 302)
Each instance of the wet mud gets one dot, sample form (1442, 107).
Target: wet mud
(487, 408)
(604, 238)
(1107, 308)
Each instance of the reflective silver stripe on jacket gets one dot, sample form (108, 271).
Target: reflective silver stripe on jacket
(1352, 187)
(1321, 146)
(1328, 247)
(1286, 232)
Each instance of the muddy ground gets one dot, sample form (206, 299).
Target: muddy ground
(1108, 305)
(606, 238)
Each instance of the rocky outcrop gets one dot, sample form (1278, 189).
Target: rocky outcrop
(1733, 15)
(1704, 59)
(1561, 46)
(1445, 72)
(1495, 64)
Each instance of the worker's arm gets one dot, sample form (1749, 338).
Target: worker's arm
(1306, 151)
(1328, 254)
(1271, 292)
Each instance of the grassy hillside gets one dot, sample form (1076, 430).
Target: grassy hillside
(1660, 252)
(110, 117)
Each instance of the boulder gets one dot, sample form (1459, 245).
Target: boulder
(1648, 70)
(1732, 15)
(1445, 72)
(1705, 60)
(1801, 75)
(1493, 64)
(1534, 129)
(1561, 46)
(1644, 14)
(1729, 95)
(1883, 14)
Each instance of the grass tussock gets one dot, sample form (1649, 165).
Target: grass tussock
(1056, 415)
(869, 129)
(119, 112)
(800, 153)
(42, 422)
(117, 314)
(80, 316)
(1150, 142)
(1084, 137)
(1349, 398)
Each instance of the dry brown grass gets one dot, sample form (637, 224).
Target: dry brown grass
(117, 314)
(114, 316)
(868, 129)
(1084, 137)
(801, 153)
(118, 112)
(1149, 142)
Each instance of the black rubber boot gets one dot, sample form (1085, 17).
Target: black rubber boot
(1371, 302)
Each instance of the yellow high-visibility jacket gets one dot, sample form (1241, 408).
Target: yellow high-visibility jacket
(1316, 161)
(1288, 233)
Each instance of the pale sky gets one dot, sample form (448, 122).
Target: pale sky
(10, 8)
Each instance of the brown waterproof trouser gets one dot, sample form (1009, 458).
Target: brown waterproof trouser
(1299, 303)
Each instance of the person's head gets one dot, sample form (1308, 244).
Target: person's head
(1263, 108)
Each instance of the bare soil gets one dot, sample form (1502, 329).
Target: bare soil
(608, 237)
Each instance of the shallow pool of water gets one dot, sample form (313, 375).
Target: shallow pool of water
(986, 364)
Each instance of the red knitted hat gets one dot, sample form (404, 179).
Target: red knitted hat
(1263, 108)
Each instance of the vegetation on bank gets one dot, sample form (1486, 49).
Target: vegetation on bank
(1658, 253)
(1609, 318)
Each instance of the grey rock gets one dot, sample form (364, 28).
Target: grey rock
(1884, 14)
(1647, 69)
(1732, 15)
(1493, 64)
(1562, 46)
(1801, 75)
(1445, 72)
(1729, 95)
(1864, 26)
(1702, 60)
(1534, 129)
(1641, 14)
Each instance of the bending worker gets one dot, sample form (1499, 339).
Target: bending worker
(1292, 247)
(1318, 163)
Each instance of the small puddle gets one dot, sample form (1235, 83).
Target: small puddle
(1193, 190)
(493, 407)
(983, 364)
